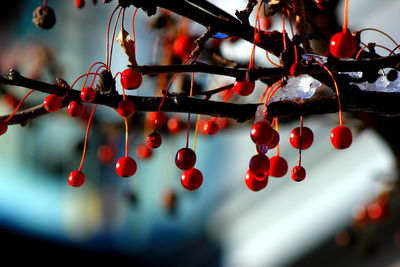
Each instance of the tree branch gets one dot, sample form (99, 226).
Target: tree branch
(353, 100)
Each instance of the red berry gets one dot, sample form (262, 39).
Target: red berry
(143, 151)
(126, 167)
(3, 127)
(210, 127)
(105, 153)
(261, 133)
(126, 108)
(257, 37)
(185, 158)
(377, 210)
(88, 94)
(75, 109)
(182, 46)
(79, 3)
(253, 184)
(275, 140)
(175, 125)
(259, 166)
(131, 79)
(303, 141)
(266, 23)
(278, 166)
(343, 45)
(52, 103)
(298, 173)
(341, 137)
(76, 178)
(244, 87)
(155, 118)
(192, 179)
(154, 140)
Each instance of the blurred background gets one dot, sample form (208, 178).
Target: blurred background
(149, 219)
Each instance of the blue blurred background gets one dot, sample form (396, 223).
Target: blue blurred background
(123, 220)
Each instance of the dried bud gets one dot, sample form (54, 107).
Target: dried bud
(106, 83)
(44, 17)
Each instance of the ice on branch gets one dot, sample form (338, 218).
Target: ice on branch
(297, 88)
(381, 85)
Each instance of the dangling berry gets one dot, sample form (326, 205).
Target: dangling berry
(261, 133)
(182, 46)
(244, 87)
(3, 127)
(343, 45)
(156, 119)
(253, 184)
(154, 140)
(378, 210)
(131, 79)
(76, 178)
(278, 166)
(341, 137)
(303, 141)
(75, 109)
(274, 141)
(52, 103)
(185, 158)
(266, 23)
(143, 152)
(192, 179)
(175, 125)
(126, 167)
(126, 108)
(259, 166)
(105, 153)
(88, 94)
(298, 173)
(210, 127)
(79, 3)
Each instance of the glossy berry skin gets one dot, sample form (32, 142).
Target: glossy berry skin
(210, 127)
(76, 178)
(154, 140)
(126, 166)
(185, 158)
(341, 137)
(131, 79)
(79, 3)
(253, 184)
(342, 45)
(175, 125)
(192, 179)
(274, 141)
(182, 46)
(143, 151)
(3, 127)
(126, 108)
(261, 133)
(298, 173)
(52, 103)
(244, 87)
(303, 141)
(278, 166)
(75, 109)
(88, 94)
(259, 166)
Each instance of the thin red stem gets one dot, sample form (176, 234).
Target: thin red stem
(345, 16)
(126, 137)
(87, 137)
(113, 37)
(19, 105)
(107, 33)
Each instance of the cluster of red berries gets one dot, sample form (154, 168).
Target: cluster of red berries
(265, 137)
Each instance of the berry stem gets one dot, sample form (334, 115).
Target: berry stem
(76, 80)
(278, 149)
(196, 132)
(301, 138)
(163, 99)
(382, 32)
(113, 37)
(95, 75)
(90, 69)
(337, 92)
(345, 15)
(188, 120)
(126, 137)
(270, 61)
(108, 33)
(283, 30)
(19, 105)
(87, 137)
(133, 27)
(371, 45)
